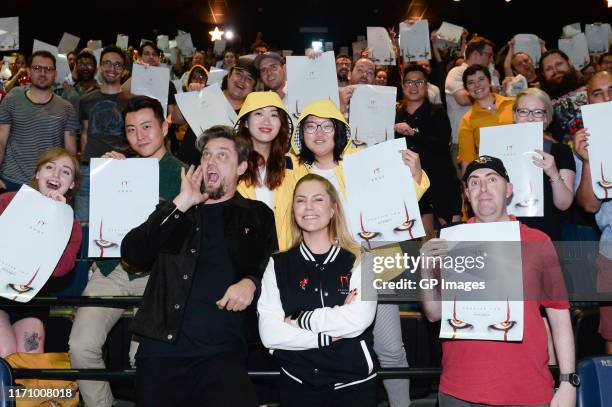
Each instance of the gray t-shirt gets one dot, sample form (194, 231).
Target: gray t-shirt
(105, 122)
(34, 128)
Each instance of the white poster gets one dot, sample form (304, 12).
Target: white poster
(380, 47)
(463, 317)
(378, 172)
(163, 42)
(576, 49)
(530, 45)
(94, 44)
(122, 196)
(415, 41)
(122, 41)
(68, 43)
(310, 79)
(43, 46)
(571, 30)
(151, 81)
(597, 120)
(206, 108)
(450, 34)
(62, 67)
(216, 75)
(514, 144)
(185, 44)
(219, 47)
(372, 114)
(597, 36)
(9, 34)
(35, 232)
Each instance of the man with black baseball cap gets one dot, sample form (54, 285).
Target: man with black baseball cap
(496, 373)
(240, 82)
(272, 72)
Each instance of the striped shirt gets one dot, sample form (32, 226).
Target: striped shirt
(35, 128)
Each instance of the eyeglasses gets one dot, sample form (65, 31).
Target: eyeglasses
(311, 128)
(45, 69)
(343, 64)
(412, 84)
(115, 65)
(537, 113)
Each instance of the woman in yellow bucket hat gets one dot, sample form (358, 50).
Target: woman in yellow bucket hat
(265, 121)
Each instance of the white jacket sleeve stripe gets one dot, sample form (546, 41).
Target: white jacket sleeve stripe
(274, 332)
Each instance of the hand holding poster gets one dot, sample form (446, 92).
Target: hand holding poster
(123, 194)
(375, 172)
(206, 108)
(514, 144)
(34, 233)
(372, 114)
(151, 81)
(499, 316)
(310, 79)
(597, 120)
(530, 45)
(380, 46)
(450, 34)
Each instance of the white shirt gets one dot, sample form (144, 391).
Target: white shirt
(262, 192)
(330, 175)
(433, 94)
(453, 84)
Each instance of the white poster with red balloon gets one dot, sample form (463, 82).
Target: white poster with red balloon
(597, 120)
(382, 201)
(34, 231)
(122, 196)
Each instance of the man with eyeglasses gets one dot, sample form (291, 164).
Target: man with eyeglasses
(33, 120)
(85, 78)
(363, 73)
(101, 120)
(272, 73)
(427, 131)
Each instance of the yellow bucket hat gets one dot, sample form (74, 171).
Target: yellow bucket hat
(258, 100)
(323, 108)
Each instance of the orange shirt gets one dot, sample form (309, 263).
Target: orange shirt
(477, 117)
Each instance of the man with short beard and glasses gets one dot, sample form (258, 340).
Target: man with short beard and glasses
(85, 81)
(101, 121)
(33, 120)
(343, 69)
(207, 250)
(567, 92)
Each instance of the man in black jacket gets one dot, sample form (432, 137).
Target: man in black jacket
(427, 131)
(207, 250)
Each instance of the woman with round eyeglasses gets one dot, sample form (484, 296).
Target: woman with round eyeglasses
(557, 162)
(265, 122)
(488, 109)
(320, 140)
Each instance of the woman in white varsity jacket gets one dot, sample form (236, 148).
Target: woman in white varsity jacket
(311, 315)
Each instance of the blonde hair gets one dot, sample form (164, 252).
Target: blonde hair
(337, 228)
(542, 97)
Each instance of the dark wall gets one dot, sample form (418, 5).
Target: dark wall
(280, 20)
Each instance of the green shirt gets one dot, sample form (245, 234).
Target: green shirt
(169, 187)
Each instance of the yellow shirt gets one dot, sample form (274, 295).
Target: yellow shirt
(477, 117)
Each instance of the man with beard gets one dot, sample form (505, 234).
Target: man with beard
(85, 78)
(32, 121)
(520, 63)
(101, 121)
(567, 92)
(207, 250)
(343, 68)
(272, 73)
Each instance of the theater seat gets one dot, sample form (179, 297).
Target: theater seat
(6, 379)
(596, 377)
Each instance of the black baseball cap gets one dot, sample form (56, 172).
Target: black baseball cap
(246, 64)
(486, 161)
